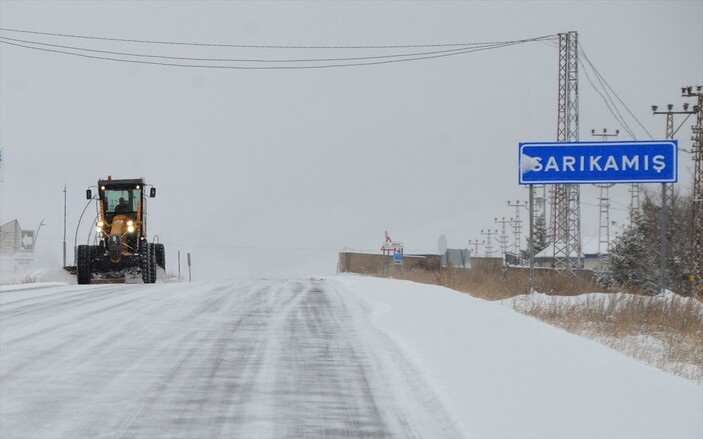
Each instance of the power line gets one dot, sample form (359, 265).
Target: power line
(240, 59)
(618, 116)
(254, 46)
(608, 87)
(406, 58)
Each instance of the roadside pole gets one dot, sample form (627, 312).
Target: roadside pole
(662, 259)
(64, 225)
(189, 275)
(532, 239)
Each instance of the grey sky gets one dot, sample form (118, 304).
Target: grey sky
(270, 173)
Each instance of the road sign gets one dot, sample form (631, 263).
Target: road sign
(654, 161)
(27, 240)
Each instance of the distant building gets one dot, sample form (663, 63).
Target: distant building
(16, 245)
(458, 258)
(10, 237)
(589, 256)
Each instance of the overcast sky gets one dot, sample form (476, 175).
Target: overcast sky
(273, 172)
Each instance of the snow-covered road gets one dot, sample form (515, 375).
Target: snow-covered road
(342, 356)
(230, 359)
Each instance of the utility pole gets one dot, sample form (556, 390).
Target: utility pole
(667, 189)
(503, 240)
(696, 252)
(604, 205)
(489, 245)
(517, 224)
(475, 243)
(670, 133)
(635, 204)
(566, 198)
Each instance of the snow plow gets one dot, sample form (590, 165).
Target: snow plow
(121, 245)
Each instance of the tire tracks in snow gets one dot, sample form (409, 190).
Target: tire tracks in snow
(229, 359)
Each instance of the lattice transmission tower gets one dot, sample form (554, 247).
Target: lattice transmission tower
(566, 202)
(604, 204)
(517, 224)
(489, 243)
(670, 133)
(475, 243)
(503, 237)
(696, 255)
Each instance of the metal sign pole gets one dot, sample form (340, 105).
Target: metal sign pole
(662, 260)
(189, 276)
(532, 239)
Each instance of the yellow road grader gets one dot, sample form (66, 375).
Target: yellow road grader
(121, 235)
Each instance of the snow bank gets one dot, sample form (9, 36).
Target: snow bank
(503, 374)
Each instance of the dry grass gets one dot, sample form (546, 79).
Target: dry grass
(662, 331)
(665, 332)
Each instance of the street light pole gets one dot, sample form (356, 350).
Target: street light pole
(36, 235)
(75, 239)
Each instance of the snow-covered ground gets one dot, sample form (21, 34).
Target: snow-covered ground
(503, 374)
(334, 356)
(599, 316)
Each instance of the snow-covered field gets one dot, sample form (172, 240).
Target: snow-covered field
(661, 330)
(336, 356)
(503, 374)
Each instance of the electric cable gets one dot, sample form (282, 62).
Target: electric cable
(598, 74)
(407, 58)
(622, 123)
(405, 46)
(238, 59)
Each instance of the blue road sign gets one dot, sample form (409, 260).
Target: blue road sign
(654, 161)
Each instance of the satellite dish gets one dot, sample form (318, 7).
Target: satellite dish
(442, 245)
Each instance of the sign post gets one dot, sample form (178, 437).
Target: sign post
(662, 258)
(654, 161)
(189, 274)
(532, 238)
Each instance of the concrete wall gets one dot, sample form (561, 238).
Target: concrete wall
(367, 263)
(486, 263)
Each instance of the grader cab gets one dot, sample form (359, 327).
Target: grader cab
(122, 245)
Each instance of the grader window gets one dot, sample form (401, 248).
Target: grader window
(122, 200)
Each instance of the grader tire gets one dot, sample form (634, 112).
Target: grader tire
(152, 271)
(160, 255)
(83, 264)
(148, 263)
